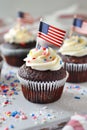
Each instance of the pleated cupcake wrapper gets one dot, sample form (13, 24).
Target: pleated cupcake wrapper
(42, 86)
(76, 67)
(7, 51)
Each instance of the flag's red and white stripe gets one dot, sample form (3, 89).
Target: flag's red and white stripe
(54, 35)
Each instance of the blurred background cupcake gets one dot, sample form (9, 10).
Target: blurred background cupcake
(17, 42)
(42, 77)
(27, 20)
(3, 29)
(74, 52)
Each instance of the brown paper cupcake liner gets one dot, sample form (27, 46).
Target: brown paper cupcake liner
(77, 72)
(16, 60)
(77, 77)
(42, 92)
(41, 85)
(40, 96)
(76, 67)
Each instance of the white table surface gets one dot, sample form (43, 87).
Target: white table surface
(73, 100)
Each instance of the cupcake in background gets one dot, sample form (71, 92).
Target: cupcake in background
(42, 77)
(17, 42)
(27, 20)
(3, 28)
(74, 54)
(4, 24)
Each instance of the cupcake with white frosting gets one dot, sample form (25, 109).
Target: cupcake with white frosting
(18, 41)
(42, 77)
(74, 55)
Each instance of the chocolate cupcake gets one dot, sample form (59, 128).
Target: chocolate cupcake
(74, 55)
(18, 41)
(42, 77)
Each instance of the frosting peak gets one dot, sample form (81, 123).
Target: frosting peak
(18, 35)
(43, 59)
(74, 46)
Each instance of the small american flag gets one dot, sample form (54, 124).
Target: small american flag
(26, 18)
(80, 26)
(51, 34)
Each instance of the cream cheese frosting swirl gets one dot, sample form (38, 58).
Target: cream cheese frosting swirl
(43, 59)
(74, 46)
(18, 34)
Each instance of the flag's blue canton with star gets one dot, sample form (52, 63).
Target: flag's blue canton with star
(44, 27)
(77, 22)
(80, 26)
